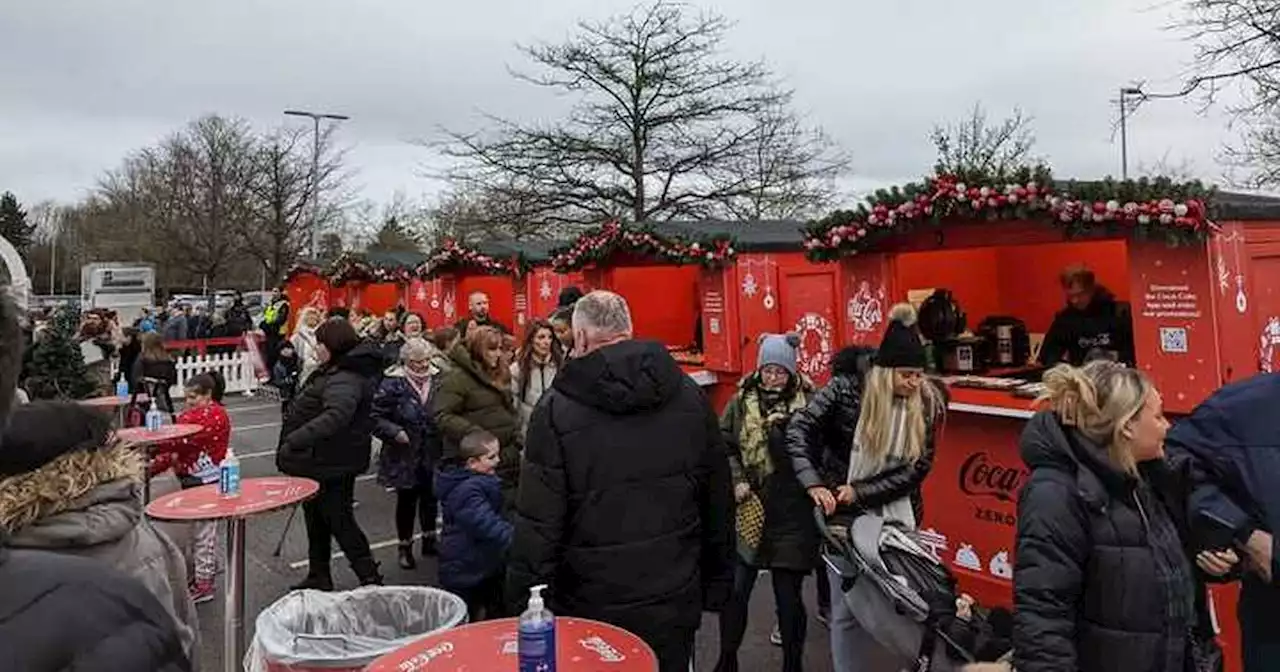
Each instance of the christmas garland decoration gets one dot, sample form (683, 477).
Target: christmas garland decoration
(597, 245)
(452, 256)
(1156, 208)
(349, 268)
(300, 268)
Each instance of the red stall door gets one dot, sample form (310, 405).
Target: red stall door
(809, 309)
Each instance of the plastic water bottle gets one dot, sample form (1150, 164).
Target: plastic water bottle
(122, 390)
(537, 644)
(154, 417)
(229, 475)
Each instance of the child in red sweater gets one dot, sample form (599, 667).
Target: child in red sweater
(194, 460)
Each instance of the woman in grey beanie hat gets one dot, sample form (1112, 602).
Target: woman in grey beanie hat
(774, 522)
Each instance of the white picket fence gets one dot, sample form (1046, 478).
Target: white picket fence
(234, 367)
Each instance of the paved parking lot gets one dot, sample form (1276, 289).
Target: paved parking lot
(255, 429)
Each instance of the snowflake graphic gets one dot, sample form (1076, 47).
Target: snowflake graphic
(544, 290)
(749, 286)
(421, 294)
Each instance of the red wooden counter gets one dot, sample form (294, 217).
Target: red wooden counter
(971, 503)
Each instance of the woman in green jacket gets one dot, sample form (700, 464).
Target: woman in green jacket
(476, 395)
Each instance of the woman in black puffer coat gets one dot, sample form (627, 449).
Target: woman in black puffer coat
(325, 436)
(1102, 581)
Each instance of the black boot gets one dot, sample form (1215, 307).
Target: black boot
(366, 570)
(428, 544)
(406, 555)
(317, 579)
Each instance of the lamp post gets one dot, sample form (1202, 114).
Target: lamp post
(1127, 94)
(315, 171)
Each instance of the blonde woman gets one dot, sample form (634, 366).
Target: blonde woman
(881, 472)
(304, 342)
(1102, 581)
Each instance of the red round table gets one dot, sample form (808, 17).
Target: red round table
(144, 438)
(490, 646)
(257, 495)
(112, 400)
(116, 402)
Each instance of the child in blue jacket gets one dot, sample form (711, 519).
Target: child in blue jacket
(476, 538)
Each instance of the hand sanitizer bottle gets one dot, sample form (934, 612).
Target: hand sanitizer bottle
(122, 390)
(154, 417)
(229, 475)
(537, 644)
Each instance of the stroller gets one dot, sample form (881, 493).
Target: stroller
(906, 598)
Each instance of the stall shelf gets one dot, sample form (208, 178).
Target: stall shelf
(1196, 268)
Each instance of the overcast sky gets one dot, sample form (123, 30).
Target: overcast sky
(84, 82)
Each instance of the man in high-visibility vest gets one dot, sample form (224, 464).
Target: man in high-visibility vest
(275, 325)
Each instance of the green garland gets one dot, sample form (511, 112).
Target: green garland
(1145, 208)
(598, 245)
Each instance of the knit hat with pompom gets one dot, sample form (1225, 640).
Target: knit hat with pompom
(779, 349)
(901, 347)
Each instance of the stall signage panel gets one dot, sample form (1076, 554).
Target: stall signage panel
(809, 310)
(867, 293)
(970, 498)
(757, 289)
(719, 334)
(1266, 309)
(1173, 328)
(440, 303)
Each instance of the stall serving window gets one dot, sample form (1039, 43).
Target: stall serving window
(1001, 310)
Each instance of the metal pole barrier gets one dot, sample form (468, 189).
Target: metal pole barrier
(233, 618)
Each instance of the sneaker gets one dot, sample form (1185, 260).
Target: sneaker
(775, 637)
(201, 591)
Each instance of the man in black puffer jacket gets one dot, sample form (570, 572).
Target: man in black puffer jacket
(625, 507)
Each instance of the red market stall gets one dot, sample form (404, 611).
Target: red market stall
(1198, 291)
(453, 272)
(708, 289)
(535, 290)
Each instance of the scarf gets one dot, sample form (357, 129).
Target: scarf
(862, 467)
(421, 383)
(761, 409)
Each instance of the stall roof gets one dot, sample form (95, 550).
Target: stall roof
(777, 235)
(533, 251)
(1239, 206)
(398, 259)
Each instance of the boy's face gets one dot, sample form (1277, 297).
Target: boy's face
(485, 464)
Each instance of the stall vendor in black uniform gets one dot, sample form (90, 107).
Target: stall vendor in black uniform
(1093, 325)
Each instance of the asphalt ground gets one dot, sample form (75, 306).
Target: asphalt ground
(255, 429)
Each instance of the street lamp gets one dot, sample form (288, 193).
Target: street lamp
(1127, 94)
(315, 170)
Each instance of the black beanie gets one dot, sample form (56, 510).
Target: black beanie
(42, 431)
(901, 347)
(569, 296)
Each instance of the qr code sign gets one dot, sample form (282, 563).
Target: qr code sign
(1173, 339)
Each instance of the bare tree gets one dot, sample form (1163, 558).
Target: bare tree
(974, 145)
(190, 198)
(788, 170)
(1180, 170)
(472, 214)
(662, 125)
(1237, 41)
(285, 193)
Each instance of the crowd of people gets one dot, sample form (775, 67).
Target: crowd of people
(585, 459)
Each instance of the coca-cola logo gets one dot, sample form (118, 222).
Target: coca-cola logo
(981, 477)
